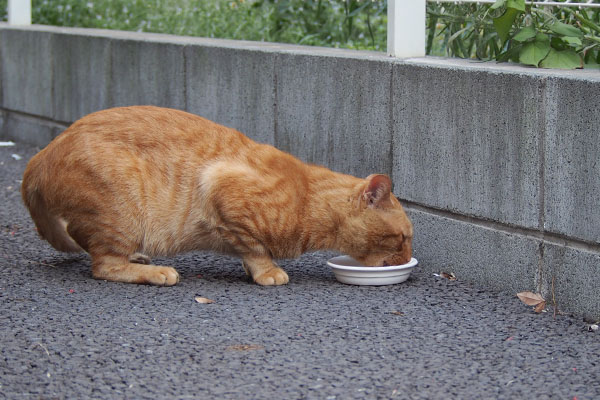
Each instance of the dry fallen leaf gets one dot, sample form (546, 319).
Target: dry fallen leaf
(530, 298)
(540, 307)
(450, 276)
(203, 300)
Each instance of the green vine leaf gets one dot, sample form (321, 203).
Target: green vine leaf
(498, 4)
(504, 22)
(516, 4)
(534, 52)
(572, 41)
(525, 34)
(565, 30)
(563, 59)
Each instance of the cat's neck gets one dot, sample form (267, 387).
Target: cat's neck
(332, 197)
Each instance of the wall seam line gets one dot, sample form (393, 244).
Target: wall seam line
(542, 183)
(391, 120)
(185, 78)
(275, 102)
(35, 117)
(505, 228)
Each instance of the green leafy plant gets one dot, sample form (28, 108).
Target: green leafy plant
(541, 39)
(515, 30)
(3, 11)
(461, 30)
(355, 24)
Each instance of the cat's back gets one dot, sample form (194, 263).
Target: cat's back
(142, 141)
(129, 152)
(145, 131)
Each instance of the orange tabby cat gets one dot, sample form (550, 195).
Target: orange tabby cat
(127, 183)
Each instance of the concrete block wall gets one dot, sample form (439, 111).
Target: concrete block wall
(497, 165)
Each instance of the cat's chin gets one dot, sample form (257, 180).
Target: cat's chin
(371, 262)
(395, 260)
(377, 259)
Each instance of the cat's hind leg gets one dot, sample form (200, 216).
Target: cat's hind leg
(120, 269)
(264, 271)
(113, 255)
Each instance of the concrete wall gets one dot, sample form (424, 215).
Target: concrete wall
(498, 165)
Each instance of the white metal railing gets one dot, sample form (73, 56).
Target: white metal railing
(19, 12)
(406, 20)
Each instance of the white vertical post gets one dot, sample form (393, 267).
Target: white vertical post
(19, 12)
(406, 28)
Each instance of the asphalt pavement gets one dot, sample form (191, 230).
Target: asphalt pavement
(65, 335)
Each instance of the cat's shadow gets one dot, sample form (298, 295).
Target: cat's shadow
(207, 268)
(78, 265)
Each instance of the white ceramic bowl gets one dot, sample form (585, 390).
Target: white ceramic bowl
(348, 270)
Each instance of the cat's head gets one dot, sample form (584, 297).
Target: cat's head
(377, 231)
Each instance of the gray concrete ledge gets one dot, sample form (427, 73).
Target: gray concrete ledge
(29, 129)
(497, 163)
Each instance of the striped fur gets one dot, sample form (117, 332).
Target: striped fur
(133, 181)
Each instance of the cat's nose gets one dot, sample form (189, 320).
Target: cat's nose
(403, 256)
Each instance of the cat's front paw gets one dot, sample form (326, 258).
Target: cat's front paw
(163, 276)
(274, 276)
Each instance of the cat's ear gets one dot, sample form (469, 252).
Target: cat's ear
(377, 191)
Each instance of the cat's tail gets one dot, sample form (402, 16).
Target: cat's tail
(50, 227)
